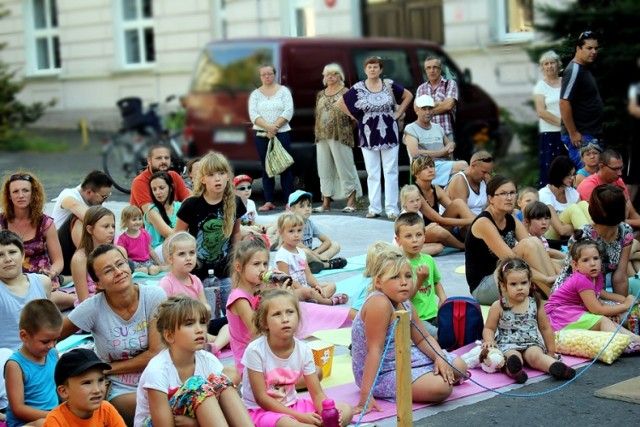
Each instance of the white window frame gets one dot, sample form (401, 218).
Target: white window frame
(289, 22)
(500, 24)
(33, 34)
(140, 24)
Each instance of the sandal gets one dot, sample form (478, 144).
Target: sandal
(633, 348)
(337, 263)
(339, 299)
(316, 267)
(372, 215)
(515, 371)
(560, 371)
(348, 209)
(268, 206)
(321, 209)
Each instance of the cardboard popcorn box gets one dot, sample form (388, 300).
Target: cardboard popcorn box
(322, 355)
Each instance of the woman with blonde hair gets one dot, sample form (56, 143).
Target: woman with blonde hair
(334, 144)
(546, 97)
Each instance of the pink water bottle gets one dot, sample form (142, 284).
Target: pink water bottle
(330, 414)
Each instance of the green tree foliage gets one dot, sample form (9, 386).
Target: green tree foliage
(618, 24)
(14, 115)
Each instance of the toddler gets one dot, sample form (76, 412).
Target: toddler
(537, 218)
(577, 303)
(428, 293)
(179, 250)
(431, 376)
(249, 221)
(518, 326)
(292, 260)
(275, 361)
(526, 195)
(82, 385)
(29, 371)
(135, 239)
(320, 257)
(183, 381)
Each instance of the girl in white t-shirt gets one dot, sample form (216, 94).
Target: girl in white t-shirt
(180, 252)
(275, 362)
(183, 380)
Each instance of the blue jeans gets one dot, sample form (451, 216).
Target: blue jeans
(574, 152)
(286, 177)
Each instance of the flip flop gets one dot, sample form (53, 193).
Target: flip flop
(339, 299)
(348, 209)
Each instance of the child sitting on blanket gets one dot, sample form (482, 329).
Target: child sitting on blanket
(275, 362)
(248, 221)
(292, 260)
(428, 293)
(537, 218)
(358, 300)
(518, 326)
(432, 377)
(184, 383)
(410, 201)
(525, 196)
(321, 257)
(577, 304)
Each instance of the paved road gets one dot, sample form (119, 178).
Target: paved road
(571, 406)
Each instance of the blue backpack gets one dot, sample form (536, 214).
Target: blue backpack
(459, 322)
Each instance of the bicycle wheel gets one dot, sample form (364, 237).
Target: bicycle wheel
(119, 163)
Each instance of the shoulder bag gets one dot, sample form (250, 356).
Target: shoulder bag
(278, 159)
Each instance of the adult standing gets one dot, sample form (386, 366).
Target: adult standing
(581, 106)
(334, 144)
(546, 98)
(443, 91)
(371, 103)
(270, 111)
(470, 184)
(495, 234)
(633, 179)
(158, 159)
(121, 318)
(23, 200)
(567, 211)
(425, 137)
(607, 210)
(162, 215)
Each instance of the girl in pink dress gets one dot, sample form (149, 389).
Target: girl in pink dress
(577, 303)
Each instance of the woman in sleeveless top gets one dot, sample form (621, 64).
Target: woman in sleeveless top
(449, 227)
(23, 201)
(496, 234)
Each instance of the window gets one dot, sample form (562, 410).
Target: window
(302, 18)
(43, 36)
(395, 63)
(514, 20)
(136, 32)
(448, 71)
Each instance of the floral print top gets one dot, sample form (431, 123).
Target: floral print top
(331, 122)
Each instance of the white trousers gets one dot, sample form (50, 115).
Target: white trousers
(389, 160)
(337, 170)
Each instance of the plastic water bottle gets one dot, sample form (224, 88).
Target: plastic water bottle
(330, 414)
(211, 287)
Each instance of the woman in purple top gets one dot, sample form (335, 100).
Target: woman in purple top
(371, 103)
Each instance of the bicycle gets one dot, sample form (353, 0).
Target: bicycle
(124, 155)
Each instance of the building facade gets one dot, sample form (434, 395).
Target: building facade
(87, 54)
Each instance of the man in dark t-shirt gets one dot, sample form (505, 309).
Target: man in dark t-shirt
(581, 106)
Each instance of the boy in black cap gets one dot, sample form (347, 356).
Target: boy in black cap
(80, 381)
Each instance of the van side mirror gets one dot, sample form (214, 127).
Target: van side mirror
(466, 76)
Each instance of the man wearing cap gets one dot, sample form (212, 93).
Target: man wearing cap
(581, 106)
(80, 381)
(610, 172)
(470, 185)
(425, 137)
(444, 93)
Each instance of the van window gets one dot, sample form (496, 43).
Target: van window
(395, 62)
(231, 67)
(448, 71)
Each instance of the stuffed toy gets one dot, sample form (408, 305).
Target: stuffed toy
(490, 359)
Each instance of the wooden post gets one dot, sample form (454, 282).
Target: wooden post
(403, 370)
(84, 132)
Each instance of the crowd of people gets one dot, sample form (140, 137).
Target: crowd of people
(155, 348)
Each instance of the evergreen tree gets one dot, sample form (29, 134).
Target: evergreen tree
(14, 115)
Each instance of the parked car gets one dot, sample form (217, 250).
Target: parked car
(226, 72)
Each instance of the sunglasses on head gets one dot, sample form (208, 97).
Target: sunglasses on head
(485, 159)
(586, 35)
(244, 188)
(20, 176)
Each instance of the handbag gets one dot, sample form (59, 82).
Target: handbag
(278, 159)
(396, 106)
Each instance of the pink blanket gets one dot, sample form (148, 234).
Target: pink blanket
(316, 317)
(350, 393)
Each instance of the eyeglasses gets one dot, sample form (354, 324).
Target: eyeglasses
(618, 169)
(593, 153)
(433, 67)
(104, 196)
(586, 35)
(267, 74)
(511, 194)
(20, 176)
(374, 57)
(245, 188)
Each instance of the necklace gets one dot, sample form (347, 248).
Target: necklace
(20, 230)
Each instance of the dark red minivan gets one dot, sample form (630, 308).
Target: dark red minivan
(227, 71)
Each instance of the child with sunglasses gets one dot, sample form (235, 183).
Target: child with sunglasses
(249, 221)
